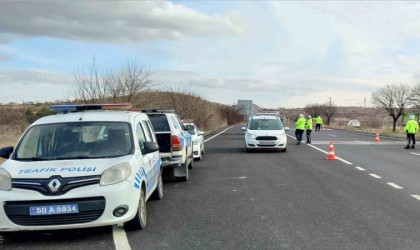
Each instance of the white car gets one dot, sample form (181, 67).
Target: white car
(83, 168)
(197, 139)
(354, 123)
(265, 132)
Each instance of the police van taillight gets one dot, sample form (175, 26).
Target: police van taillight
(176, 143)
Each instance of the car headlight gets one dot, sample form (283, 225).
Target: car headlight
(252, 136)
(5, 180)
(116, 174)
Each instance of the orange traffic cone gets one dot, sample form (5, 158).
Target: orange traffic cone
(377, 137)
(331, 154)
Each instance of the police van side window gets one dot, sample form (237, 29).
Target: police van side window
(149, 136)
(140, 135)
(175, 122)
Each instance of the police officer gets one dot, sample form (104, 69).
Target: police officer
(308, 127)
(300, 127)
(411, 129)
(318, 122)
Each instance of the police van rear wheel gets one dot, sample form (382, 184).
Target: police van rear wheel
(140, 220)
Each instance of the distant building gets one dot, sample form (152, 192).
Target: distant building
(245, 108)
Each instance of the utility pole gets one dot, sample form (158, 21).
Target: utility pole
(330, 100)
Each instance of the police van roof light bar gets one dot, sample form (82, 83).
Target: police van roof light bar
(84, 107)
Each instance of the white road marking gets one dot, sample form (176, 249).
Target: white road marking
(234, 190)
(242, 177)
(375, 176)
(332, 135)
(394, 185)
(361, 169)
(120, 238)
(416, 196)
(217, 134)
(414, 153)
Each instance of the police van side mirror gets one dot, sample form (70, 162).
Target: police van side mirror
(243, 128)
(150, 147)
(5, 152)
(286, 128)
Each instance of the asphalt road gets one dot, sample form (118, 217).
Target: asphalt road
(273, 200)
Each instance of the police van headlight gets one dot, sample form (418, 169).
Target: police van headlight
(116, 174)
(5, 180)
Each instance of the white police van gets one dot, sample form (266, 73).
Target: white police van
(84, 168)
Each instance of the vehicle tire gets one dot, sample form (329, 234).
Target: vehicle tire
(140, 220)
(190, 166)
(283, 150)
(246, 150)
(158, 193)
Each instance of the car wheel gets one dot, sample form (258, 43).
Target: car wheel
(140, 220)
(158, 193)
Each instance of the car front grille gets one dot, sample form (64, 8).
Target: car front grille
(90, 209)
(43, 186)
(266, 138)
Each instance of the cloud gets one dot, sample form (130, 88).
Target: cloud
(110, 21)
(34, 85)
(4, 57)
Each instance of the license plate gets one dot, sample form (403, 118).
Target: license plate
(54, 209)
(266, 143)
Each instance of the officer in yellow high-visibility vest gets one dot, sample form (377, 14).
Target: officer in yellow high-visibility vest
(300, 127)
(318, 121)
(308, 127)
(411, 129)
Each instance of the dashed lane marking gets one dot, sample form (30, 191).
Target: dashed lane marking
(120, 238)
(416, 196)
(361, 169)
(375, 176)
(414, 153)
(394, 185)
(217, 134)
(325, 152)
(242, 177)
(332, 135)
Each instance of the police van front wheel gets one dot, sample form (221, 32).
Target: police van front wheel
(158, 193)
(139, 221)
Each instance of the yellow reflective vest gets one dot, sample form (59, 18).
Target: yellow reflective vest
(308, 124)
(300, 123)
(318, 120)
(411, 127)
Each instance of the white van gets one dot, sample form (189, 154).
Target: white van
(82, 168)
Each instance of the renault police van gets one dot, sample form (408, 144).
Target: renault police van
(85, 167)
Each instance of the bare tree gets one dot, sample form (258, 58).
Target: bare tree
(394, 99)
(118, 85)
(415, 95)
(89, 85)
(313, 109)
(329, 111)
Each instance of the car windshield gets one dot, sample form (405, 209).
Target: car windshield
(78, 140)
(265, 124)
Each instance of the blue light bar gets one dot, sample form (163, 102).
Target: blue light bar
(83, 107)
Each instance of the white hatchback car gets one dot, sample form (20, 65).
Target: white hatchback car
(354, 123)
(265, 132)
(197, 140)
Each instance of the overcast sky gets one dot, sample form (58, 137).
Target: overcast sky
(278, 54)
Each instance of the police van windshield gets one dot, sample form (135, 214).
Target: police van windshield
(265, 124)
(79, 140)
